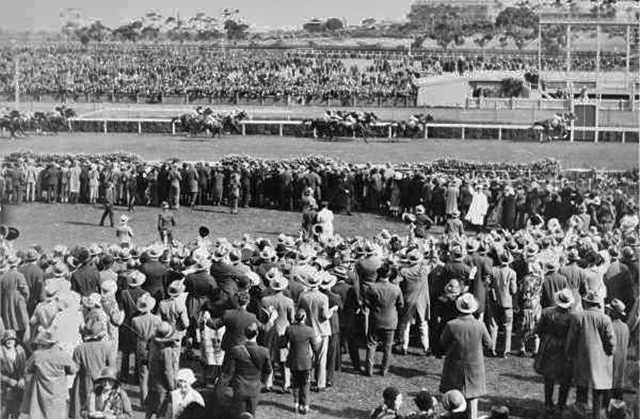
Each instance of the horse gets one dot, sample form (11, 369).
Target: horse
(555, 128)
(412, 127)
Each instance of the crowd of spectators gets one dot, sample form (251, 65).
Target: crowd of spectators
(160, 71)
(259, 314)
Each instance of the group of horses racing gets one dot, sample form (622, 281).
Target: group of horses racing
(209, 120)
(17, 123)
(334, 123)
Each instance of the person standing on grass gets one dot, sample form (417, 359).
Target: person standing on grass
(124, 233)
(166, 224)
(109, 197)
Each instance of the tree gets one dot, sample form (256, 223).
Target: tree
(235, 30)
(334, 24)
(368, 22)
(447, 27)
(314, 26)
(129, 32)
(519, 23)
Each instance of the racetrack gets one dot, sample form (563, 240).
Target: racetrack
(609, 156)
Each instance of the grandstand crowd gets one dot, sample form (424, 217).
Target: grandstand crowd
(553, 263)
(200, 72)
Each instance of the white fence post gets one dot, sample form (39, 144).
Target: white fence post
(244, 129)
(173, 128)
(139, 128)
(462, 133)
(104, 125)
(390, 131)
(500, 134)
(281, 130)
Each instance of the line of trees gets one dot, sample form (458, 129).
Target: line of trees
(154, 26)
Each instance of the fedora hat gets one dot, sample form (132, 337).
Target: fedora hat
(550, 266)
(9, 233)
(50, 290)
(328, 280)
(268, 253)
(413, 257)
(616, 307)
(155, 251)
(95, 250)
(32, 255)
(454, 401)
(136, 278)
(594, 296)
(124, 218)
(82, 255)
(13, 261)
(277, 281)
(220, 254)
(472, 245)
(145, 303)
(453, 287)
(203, 231)
(573, 255)
(175, 288)
(311, 278)
(164, 332)
(9, 334)
(420, 209)
(109, 287)
(467, 304)
(107, 374)
(457, 253)
(564, 298)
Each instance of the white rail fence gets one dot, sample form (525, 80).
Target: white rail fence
(432, 130)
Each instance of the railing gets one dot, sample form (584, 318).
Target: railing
(385, 130)
(549, 104)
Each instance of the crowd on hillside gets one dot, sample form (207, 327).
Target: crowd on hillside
(251, 315)
(200, 72)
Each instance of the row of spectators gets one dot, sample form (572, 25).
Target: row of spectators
(217, 73)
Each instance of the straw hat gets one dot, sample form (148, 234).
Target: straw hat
(467, 304)
(32, 255)
(616, 307)
(124, 218)
(145, 303)
(50, 290)
(109, 287)
(594, 297)
(328, 280)
(155, 251)
(164, 332)
(564, 298)
(277, 281)
(413, 257)
(175, 288)
(268, 253)
(310, 278)
(136, 279)
(93, 330)
(454, 401)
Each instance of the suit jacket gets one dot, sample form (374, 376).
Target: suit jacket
(35, 279)
(301, 340)
(503, 285)
(478, 285)
(247, 369)
(156, 274)
(553, 282)
(144, 327)
(576, 278)
(334, 321)
(316, 304)
(617, 279)
(385, 301)
(86, 280)
(235, 322)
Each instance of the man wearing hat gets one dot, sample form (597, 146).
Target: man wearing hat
(109, 199)
(85, 280)
(173, 310)
(12, 375)
(129, 297)
(550, 362)
(284, 307)
(552, 283)
(235, 322)
(453, 227)
(476, 258)
(415, 290)
(575, 276)
(162, 369)
(618, 280)
(201, 288)
(155, 272)
(464, 338)
(316, 305)
(46, 395)
(144, 326)
(166, 224)
(34, 276)
(384, 301)
(502, 290)
(590, 345)
(616, 311)
(14, 294)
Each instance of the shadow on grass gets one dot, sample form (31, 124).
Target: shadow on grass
(523, 377)
(82, 223)
(518, 407)
(345, 412)
(283, 406)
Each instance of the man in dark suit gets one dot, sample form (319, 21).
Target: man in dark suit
(247, 367)
(301, 340)
(86, 279)
(235, 322)
(109, 199)
(476, 257)
(384, 300)
(156, 274)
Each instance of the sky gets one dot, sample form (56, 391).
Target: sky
(45, 14)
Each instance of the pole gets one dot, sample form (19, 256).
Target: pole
(16, 82)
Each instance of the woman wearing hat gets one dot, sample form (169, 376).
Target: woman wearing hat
(590, 345)
(129, 299)
(616, 310)
(47, 392)
(283, 306)
(92, 355)
(464, 338)
(185, 403)
(162, 369)
(551, 362)
(108, 400)
(12, 370)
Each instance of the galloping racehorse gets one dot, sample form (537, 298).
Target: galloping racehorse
(413, 127)
(556, 128)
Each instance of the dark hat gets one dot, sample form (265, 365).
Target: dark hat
(499, 412)
(9, 233)
(243, 298)
(32, 255)
(424, 400)
(203, 231)
(390, 394)
(83, 255)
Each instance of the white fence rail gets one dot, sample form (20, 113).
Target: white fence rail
(546, 104)
(430, 131)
